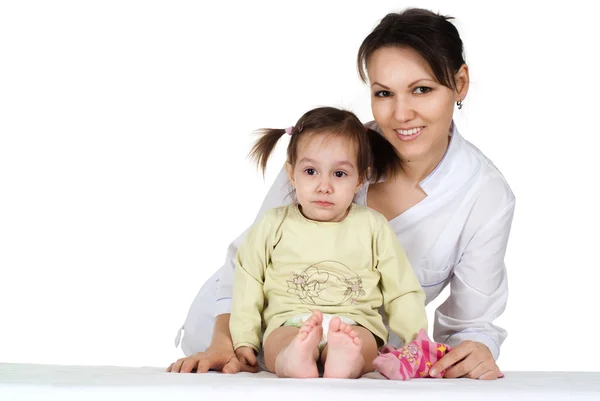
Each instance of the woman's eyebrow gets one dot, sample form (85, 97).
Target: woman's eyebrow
(409, 85)
(382, 85)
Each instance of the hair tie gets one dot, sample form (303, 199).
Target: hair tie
(289, 130)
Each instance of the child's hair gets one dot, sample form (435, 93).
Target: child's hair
(377, 158)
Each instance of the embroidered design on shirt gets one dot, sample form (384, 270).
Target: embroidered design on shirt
(326, 283)
(307, 284)
(354, 290)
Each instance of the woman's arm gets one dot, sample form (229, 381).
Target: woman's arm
(221, 337)
(218, 356)
(479, 291)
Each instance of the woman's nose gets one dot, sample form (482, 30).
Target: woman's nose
(403, 110)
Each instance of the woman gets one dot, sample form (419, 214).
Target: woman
(450, 208)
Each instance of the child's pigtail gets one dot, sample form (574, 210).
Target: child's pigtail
(385, 160)
(262, 148)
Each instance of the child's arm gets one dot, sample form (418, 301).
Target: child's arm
(248, 299)
(403, 296)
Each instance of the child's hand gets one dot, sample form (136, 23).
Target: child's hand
(247, 358)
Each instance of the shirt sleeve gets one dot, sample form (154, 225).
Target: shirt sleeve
(279, 194)
(479, 288)
(403, 296)
(248, 299)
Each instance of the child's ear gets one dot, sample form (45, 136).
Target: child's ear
(290, 172)
(359, 186)
(362, 181)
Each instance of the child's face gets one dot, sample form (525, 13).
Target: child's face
(325, 177)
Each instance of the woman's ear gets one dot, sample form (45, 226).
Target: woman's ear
(290, 172)
(462, 83)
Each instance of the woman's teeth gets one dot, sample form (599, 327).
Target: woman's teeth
(408, 132)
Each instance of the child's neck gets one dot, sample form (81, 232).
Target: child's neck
(326, 221)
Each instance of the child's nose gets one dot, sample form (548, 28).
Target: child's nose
(325, 185)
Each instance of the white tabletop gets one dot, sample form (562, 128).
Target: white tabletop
(56, 382)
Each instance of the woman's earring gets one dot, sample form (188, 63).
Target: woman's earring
(459, 104)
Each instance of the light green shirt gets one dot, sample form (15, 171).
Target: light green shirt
(290, 265)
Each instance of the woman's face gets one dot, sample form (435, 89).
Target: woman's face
(412, 109)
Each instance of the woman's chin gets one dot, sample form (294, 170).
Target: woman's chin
(410, 152)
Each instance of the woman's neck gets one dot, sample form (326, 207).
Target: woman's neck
(417, 170)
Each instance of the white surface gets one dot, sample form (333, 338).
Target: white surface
(47, 382)
(114, 206)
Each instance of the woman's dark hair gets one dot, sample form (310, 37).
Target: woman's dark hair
(429, 34)
(377, 158)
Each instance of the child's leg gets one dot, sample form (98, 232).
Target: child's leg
(350, 351)
(293, 352)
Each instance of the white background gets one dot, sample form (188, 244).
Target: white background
(124, 129)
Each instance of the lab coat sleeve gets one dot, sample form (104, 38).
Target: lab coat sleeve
(479, 288)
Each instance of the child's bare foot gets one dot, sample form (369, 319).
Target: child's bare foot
(299, 359)
(344, 356)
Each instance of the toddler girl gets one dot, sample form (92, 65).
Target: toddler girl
(314, 274)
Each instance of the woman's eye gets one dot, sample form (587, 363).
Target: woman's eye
(383, 94)
(340, 174)
(310, 171)
(421, 90)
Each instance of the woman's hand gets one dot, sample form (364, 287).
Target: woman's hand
(219, 358)
(468, 359)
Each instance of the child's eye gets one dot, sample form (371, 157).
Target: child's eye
(310, 171)
(383, 93)
(340, 174)
(421, 90)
